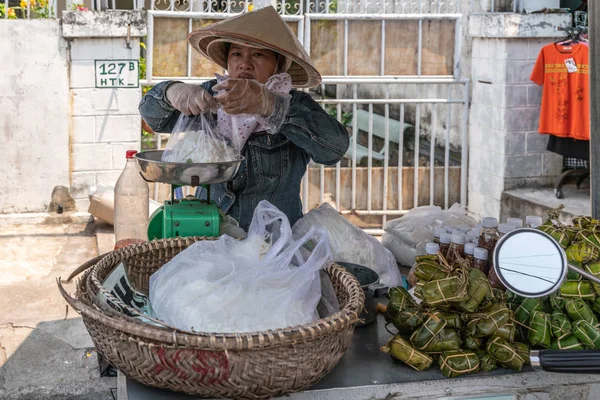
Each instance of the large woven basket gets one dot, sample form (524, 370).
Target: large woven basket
(254, 365)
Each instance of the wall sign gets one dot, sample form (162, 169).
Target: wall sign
(117, 73)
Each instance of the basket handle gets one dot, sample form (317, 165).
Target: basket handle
(87, 265)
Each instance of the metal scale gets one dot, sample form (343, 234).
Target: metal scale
(189, 216)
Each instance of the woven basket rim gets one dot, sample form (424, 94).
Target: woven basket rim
(348, 315)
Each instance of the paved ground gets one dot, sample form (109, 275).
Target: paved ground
(45, 350)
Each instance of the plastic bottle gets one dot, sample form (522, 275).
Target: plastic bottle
(533, 221)
(437, 232)
(464, 228)
(445, 240)
(503, 229)
(131, 203)
(489, 236)
(516, 222)
(472, 236)
(450, 228)
(469, 252)
(457, 246)
(480, 257)
(432, 248)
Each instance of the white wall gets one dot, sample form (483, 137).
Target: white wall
(34, 114)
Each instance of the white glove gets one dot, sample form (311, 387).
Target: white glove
(190, 99)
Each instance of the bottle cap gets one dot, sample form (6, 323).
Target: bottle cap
(437, 232)
(464, 228)
(432, 248)
(505, 228)
(489, 222)
(470, 248)
(516, 222)
(458, 237)
(533, 221)
(446, 238)
(471, 236)
(480, 253)
(130, 153)
(450, 228)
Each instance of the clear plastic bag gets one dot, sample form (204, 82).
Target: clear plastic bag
(195, 140)
(415, 228)
(263, 282)
(351, 244)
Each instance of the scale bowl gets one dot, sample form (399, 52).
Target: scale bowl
(153, 169)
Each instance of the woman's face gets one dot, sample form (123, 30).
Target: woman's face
(248, 63)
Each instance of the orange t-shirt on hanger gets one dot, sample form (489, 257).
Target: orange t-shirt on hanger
(564, 72)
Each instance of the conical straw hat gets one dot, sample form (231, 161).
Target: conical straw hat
(263, 28)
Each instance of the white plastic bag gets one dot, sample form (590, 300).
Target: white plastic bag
(195, 140)
(263, 282)
(403, 235)
(351, 244)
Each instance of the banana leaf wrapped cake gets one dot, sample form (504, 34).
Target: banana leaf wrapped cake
(587, 334)
(425, 334)
(540, 330)
(456, 363)
(486, 323)
(569, 342)
(505, 354)
(402, 350)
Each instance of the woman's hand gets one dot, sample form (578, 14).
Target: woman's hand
(245, 96)
(190, 99)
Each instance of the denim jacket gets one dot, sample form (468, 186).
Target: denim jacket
(274, 164)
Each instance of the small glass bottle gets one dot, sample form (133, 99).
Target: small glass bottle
(464, 228)
(489, 236)
(450, 228)
(437, 232)
(457, 247)
(480, 257)
(516, 222)
(469, 252)
(533, 221)
(445, 240)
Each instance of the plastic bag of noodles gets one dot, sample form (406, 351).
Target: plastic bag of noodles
(402, 350)
(569, 342)
(446, 339)
(505, 354)
(522, 351)
(577, 309)
(526, 308)
(507, 332)
(425, 334)
(487, 323)
(478, 288)
(587, 334)
(540, 330)
(580, 289)
(486, 362)
(560, 324)
(457, 362)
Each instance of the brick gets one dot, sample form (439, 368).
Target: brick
(82, 74)
(536, 142)
(485, 48)
(484, 138)
(121, 52)
(534, 95)
(517, 49)
(519, 71)
(491, 117)
(529, 165)
(91, 49)
(129, 100)
(94, 101)
(91, 157)
(516, 143)
(516, 96)
(81, 183)
(522, 119)
(83, 130)
(535, 46)
(118, 153)
(552, 164)
(486, 162)
(489, 70)
(118, 128)
(490, 94)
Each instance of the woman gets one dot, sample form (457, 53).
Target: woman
(279, 130)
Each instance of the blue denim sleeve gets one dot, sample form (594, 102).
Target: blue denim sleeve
(156, 110)
(309, 127)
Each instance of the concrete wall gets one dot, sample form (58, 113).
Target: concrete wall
(34, 114)
(505, 149)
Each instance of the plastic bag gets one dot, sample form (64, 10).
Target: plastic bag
(403, 235)
(351, 244)
(195, 140)
(263, 282)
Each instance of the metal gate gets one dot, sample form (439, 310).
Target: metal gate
(392, 99)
